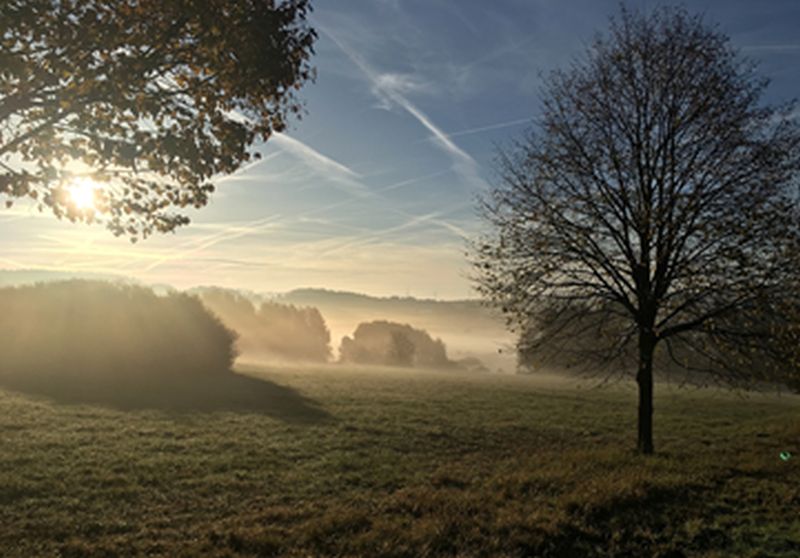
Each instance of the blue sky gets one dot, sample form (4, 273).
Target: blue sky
(374, 189)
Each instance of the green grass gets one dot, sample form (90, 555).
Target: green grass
(392, 463)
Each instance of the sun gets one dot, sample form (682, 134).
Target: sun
(82, 192)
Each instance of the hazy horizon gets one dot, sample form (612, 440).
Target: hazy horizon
(474, 331)
(50, 274)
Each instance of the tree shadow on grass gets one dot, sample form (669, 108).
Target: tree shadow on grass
(195, 393)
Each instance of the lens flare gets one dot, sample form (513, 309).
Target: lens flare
(83, 192)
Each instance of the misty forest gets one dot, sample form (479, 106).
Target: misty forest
(397, 278)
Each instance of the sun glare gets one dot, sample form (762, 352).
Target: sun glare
(82, 192)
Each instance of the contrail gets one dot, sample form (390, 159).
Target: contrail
(250, 228)
(486, 128)
(248, 166)
(775, 48)
(323, 164)
(314, 157)
(391, 94)
(237, 231)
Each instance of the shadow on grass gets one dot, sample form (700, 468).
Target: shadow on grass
(208, 392)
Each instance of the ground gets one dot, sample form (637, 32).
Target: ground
(330, 461)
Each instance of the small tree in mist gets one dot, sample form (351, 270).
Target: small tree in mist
(654, 205)
(401, 350)
(393, 344)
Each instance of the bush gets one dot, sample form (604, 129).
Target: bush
(94, 331)
(472, 365)
(393, 344)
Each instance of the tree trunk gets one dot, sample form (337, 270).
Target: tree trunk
(644, 378)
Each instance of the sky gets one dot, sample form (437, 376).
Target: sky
(374, 189)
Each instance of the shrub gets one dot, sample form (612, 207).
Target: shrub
(473, 365)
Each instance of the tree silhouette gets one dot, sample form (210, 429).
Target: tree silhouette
(394, 344)
(401, 350)
(151, 99)
(654, 205)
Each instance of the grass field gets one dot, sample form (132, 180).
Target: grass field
(332, 462)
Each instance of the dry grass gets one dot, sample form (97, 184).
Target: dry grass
(402, 464)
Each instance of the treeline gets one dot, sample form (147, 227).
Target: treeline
(269, 330)
(758, 344)
(84, 329)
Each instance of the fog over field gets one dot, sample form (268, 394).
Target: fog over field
(467, 328)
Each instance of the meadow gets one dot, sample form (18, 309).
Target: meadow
(327, 461)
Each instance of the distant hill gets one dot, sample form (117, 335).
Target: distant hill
(12, 277)
(358, 300)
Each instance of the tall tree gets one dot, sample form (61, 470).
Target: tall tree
(127, 108)
(654, 204)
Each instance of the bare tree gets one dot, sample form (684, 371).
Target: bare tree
(655, 201)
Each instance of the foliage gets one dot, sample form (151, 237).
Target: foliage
(390, 343)
(83, 333)
(152, 99)
(659, 190)
(401, 349)
(270, 330)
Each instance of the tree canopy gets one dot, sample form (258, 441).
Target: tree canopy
(147, 99)
(654, 204)
(393, 344)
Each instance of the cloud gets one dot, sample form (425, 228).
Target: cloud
(323, 165)
(392, 90)
(313, 157)
(438, 135)
(226, 232)
(403, 84)
(239, 174)
(362, 240)
(230, 233)
(503, 50)
(432, 218)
